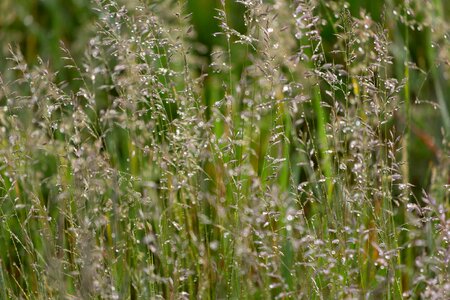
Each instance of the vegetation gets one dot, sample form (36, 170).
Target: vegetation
(244, 149)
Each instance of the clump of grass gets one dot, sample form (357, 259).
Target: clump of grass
(289, 178)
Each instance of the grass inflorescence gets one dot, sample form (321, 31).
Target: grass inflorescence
(299, 151)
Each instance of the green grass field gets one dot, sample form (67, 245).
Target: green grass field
(224, 149)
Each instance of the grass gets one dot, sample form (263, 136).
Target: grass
(295, 149)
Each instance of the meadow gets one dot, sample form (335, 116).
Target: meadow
(224, 149)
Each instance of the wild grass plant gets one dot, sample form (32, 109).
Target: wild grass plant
(278, 162)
